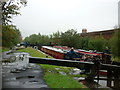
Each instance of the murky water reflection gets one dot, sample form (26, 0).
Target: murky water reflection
(17, 72)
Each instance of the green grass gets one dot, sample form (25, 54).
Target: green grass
(52, 76)
(53, 69)
(33, 52)
(55, 80)
(0, 49)
(3, 49)
(116, 59)
(60, 81)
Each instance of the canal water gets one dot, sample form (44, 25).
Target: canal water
(17, 72)
(100, 84)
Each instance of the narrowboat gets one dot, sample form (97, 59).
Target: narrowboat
(61, 52)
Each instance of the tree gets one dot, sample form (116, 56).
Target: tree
(70, 38)
(10, 36)
(115, 43)
(83, 43)
(10, 8)
(56, 37)
(38, 39)
(98, 43)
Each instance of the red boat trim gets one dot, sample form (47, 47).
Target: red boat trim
(79, 51)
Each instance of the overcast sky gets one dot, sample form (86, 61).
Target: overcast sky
(48, 16)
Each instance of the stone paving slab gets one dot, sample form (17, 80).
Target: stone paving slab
(31, 77)
(22, 75)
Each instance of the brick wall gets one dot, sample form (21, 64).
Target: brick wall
(107, 34)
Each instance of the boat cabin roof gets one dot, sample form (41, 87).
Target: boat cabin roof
(55, 49)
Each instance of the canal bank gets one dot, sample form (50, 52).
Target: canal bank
(13, 77)
(54, 76)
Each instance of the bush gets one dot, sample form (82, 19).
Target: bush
(115, 43)
(98, 43)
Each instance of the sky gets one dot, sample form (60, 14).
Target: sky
(49, 16)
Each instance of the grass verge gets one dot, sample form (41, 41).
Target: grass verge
(51, 73)
(3, 49)
(33, 52)
(55, 80)
(116, 59)
(60, 81)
